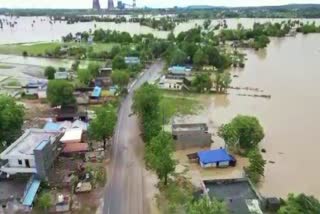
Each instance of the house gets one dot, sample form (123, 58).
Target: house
(132, 60)
(171, 84)
(33, 87)
(179, 71)
(72, 141)
(191, 135)
(70, 113)
(33, 153)
(96, 93)
(216, 158)
(61, 75)
(239, 195)
(105, 72)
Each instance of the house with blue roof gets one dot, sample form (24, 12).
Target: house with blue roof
(216, 158)
(179, 71)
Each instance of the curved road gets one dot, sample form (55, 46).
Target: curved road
(125, 189)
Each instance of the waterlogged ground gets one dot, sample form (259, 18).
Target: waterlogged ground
(288, 70)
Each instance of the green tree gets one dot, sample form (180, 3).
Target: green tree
(102, 127)
(146, 104)
(118, 63)
(222, 81)
(243, 131)
(200, 58)
(206, 24)
(44, 201)
(60, 93)
(115, 50)
(300, 204)
(84, 76)
(11, 120)
(159, 156)
(207, 206)
(178, 57)
(120, 78)
(202, 83)
(256, 167)
(94, 69)
(49, 72)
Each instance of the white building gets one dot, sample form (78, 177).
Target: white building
(33, 152)
(171, 84)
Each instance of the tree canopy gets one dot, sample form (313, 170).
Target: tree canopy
(297, 204)
(11, 119)
(118, 63)
(84, 76)
(159, 155)
(202, 82)
(120, 78)
(256, 167)
(44, 201)
(102, 127)
(49, 72)
(243, 131)
(60, 93)
(207, 206)
(146, 103)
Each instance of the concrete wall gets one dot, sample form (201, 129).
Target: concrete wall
(189, 139)
(45, 158)
(15, 163)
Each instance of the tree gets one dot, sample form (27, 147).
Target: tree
(115, 51)
(202, 83)
(60, 93)
(171, 37)
(44, 201)
(206, 24)
(146, 104)
(200, 58)
(118, 63)
(207, 206)
(102, 127)
(178, 57)
(159, 155)
(94, 69)
(222, 81)
(49, 72)
(256, 167)
(300, 204)
(120, 78)
(84, 76)
(243, 131)
(11, 120)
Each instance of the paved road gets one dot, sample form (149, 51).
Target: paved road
(125, 190)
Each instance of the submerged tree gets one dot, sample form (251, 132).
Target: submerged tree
(256, 167)
(102, 127)
(159, 156)
(202, 83)
(296, 204)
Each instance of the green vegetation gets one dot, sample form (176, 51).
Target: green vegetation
(32, 48)
(243, 132)
(44, 201)
(118, 63)
(158, 156)
(49, 72)
(222, 81)
(60, 93)
(11, 117)
(171, 105)
(102, 127)
(296, 204)
(309, 28)
(202, 83)
(120, 78)
(207, 206)
(6, 66)
(164, 23)
(146, 104)
(256, 167)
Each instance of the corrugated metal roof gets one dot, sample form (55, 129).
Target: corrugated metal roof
(96, 92)
(214, 156)
(31, 192)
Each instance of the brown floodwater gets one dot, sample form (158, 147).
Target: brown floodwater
(289, 71)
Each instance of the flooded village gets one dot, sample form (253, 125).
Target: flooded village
(125, 118)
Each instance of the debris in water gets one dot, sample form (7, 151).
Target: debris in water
(263, 150)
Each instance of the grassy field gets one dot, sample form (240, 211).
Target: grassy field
(6, 66)
(41, 48)
(178, 104)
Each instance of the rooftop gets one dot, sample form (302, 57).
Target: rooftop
(213, 156)
(237, 193)
(190, 127)
(28, 142)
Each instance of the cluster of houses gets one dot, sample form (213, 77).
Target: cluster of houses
(177, 78)
(239, 194)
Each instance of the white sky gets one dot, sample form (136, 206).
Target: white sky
(140, 3)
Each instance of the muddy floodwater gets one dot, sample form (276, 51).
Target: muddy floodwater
(289, 71)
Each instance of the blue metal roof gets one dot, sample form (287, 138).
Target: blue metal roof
(96, 92)
(51, 126)
(214, 156)
(42, 145)
(31, 192)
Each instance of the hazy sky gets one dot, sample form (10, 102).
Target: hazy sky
(140, 3)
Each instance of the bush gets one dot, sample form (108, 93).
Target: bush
(49, 72)
(25, 53)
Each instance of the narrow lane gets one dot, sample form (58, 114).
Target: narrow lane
(125, 189)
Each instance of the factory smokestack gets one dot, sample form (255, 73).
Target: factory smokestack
(96, 5)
